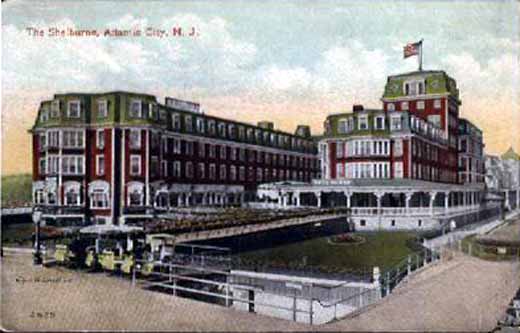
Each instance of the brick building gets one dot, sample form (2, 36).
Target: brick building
(108, 157)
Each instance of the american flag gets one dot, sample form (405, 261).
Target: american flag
(411, 49)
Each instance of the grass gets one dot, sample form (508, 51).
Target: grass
(383, 249)
(16, 190)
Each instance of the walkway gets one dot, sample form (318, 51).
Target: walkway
(462, 294)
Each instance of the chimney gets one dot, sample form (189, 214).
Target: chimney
(357, 107)
(304, 131)
(266, 125)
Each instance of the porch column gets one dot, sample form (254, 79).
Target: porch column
(297, 198)
(408, 197)
(379, 196)
(507, 199)
(432, 201)
(348, 195)
(318, 197)
(446, 202)
(518, 199)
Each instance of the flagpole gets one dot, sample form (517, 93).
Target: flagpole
(420, 56)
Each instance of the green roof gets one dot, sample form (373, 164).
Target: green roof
(436, 82)
(511, 155)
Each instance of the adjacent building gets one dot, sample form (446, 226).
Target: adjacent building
(110, 157)
(503, 177)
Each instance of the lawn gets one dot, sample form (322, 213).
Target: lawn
(16, 190)
(383, 249)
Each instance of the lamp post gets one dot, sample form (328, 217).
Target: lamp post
(37, 257)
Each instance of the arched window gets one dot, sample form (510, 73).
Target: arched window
(39, 192)
(99, 193)
(72, 192)
(135, 194)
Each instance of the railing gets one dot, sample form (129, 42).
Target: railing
(391, 278)
(412, 211)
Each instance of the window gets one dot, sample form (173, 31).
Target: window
(55, 108)
(419, 223)
(165, 145)
(136, 108)
(223, 172)
(162, 112)
(363, 123)
(404, 106)
(223, 152)
(241, 132)
(53, 163)
(99, 194)
(189, 170)
(135, 139)
(73, 139)
(362, 223)
(53, 138)
(342, 126)
(420, 87)
(212, 151)
(340, 148)
(176, 146)
(176, 121)
(189, 148)
(72, 164)
(380, 123)
(437, 104)
(135, 165)
(135, 195)
(232, 131)
(44, 114)
(188, 123)
(233, 173)
(339, 170)
(420, 105)
(100, 139)
(201, 128)
(398, 170)
(390, 107)
(201, 170)
(154, 166)
(72, 194)
(73, 110)
(398, 147)
(42, 166)
(100, 165)
(395, 122)
(202, 149)
(102, 106)
(212, 171)
(392, 223)
(164, 168)
(222, 130)
(177, 169)
(242, 173)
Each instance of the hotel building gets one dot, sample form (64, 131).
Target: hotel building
(397, 167)
(109, 157)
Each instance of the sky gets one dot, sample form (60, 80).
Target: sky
(292, 63)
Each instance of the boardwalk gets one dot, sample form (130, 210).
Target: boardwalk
(463, 294)
(460, 294)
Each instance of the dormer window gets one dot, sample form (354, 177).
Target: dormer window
(379, 123)
(200, 125)
(136, 108)
(102, 105)
(44, 115)
(55, 108)
(342, 126)
(363, 123)
(73, 110)
(412, 88)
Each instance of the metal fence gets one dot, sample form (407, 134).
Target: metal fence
(390, 278)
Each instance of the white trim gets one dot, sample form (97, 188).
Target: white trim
(100, 172)
(147, 174)
(112, 176)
